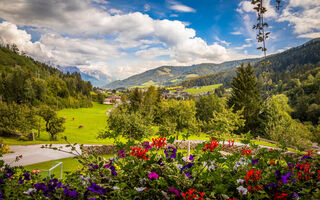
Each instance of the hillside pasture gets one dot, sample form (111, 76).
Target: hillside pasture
(203, 89)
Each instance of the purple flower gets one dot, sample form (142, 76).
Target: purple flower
(189, 165)
(113, 170)
(70, 193)
(188, 175)
(121, 153)
(153, 175)
(93, 167)
(27, 176)
(96, 188)
(285, 178)
(305, 157)
(160, 162)
(92, 199)
(146, 145)
(40, 186)
(295, 196)
(290, 165)
(170, 152)
(254, 161)
(273, 185)
(174, 191)
(191, 157)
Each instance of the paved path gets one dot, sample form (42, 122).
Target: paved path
(32, 154)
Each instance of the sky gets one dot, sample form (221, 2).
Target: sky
(124, 37)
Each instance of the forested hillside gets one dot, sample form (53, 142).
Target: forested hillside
(26, 81)
(282, 66)
(31, 91)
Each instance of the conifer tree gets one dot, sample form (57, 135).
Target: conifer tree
(246, 95)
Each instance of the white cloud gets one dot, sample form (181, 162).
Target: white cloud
(96, 36)
(243, 46)
(246, 7)
(146, 7)
(304, 16)
(115, 11)
(236, 33)
(180, 7)
(310, 35)
(152, 53)
(10, 34)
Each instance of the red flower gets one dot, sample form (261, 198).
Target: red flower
(246, 152)
(159, 142)
(211, 146)
(231, 143)
(252, 180)
(231, 199)
(280, 196)
(190, 195)
(139, 153)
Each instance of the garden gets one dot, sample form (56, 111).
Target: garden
(157, 170)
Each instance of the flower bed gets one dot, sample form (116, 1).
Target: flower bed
(158, 171)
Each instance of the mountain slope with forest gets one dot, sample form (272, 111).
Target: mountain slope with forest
(282, 66)
(26, 81)
(166, 75)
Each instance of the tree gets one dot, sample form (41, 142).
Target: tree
(135, 98)
(224, 123)
(54, 124)
(206, 105)
(281, 127)
(16, 118)
(124, 123)
(246, 95)
(176, 117)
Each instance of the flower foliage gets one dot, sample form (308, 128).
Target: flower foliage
(144, 171)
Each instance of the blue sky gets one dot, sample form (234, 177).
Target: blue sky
(121, 38)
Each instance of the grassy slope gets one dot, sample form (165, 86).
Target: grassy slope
(202, 89)
(93, 119)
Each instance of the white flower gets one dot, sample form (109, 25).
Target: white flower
(241, 181)
(179, 166)
(116, 188)
(139, 189)
(29, 191)
(242, 190)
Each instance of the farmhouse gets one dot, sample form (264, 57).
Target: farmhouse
(112, 100)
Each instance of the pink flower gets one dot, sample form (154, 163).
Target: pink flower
(153, 175)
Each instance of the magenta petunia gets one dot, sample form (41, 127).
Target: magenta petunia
(153, 175)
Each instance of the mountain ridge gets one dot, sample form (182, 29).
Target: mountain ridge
(166, 75)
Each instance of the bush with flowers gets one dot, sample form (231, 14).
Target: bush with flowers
(158, 170)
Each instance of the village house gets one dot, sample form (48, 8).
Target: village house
(112, 100)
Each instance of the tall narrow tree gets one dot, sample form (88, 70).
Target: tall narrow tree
(246, 95)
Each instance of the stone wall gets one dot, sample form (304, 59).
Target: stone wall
(110, 149)
(99, 149)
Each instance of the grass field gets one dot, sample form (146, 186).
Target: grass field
(69, 164)
(92, 119)
(202, 89)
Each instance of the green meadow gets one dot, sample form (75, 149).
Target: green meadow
(81, 126)
(202, 89)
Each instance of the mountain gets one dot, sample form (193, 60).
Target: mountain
(96, 77)
(282, 66)
(166, 75)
